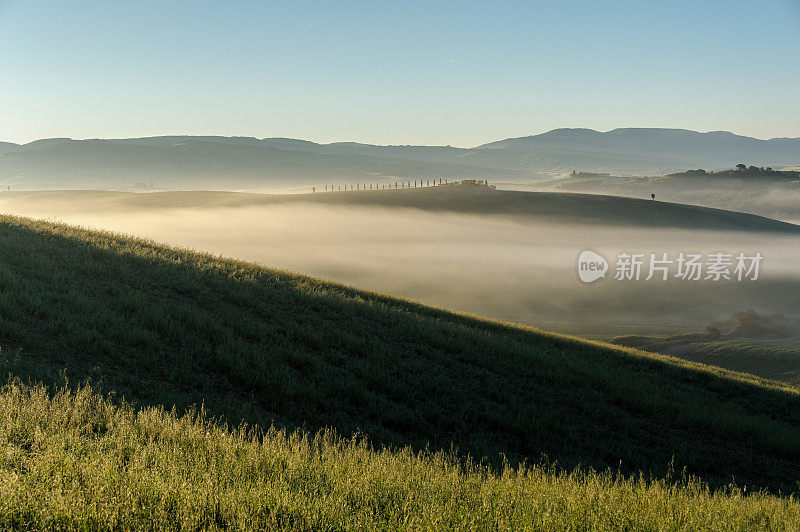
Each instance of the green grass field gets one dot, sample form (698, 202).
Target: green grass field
(163, 327)
(77, 461)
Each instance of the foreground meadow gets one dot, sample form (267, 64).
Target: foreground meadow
(74, 460)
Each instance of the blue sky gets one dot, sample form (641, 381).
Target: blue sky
(459, 73)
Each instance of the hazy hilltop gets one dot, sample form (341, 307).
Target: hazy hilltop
(638, 150)
(7, 146)
(756, 190)
(678, 147)
(248, 162)
(545, 207)
(206, 162)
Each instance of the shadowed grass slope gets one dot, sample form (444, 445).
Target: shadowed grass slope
(166, 326)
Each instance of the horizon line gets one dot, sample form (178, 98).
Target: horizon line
(212, 135)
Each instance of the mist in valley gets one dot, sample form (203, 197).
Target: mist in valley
(495, 266)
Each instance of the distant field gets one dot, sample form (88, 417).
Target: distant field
(777, 359)
(775, 195)
(541, 206)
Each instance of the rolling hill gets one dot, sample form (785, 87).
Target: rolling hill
(552, 207)
(612, 437)
(162, 326)
(773, 194)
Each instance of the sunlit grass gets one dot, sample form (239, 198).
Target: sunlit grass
(77, 461)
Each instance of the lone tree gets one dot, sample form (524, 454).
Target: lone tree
(652, 196)
(741, 167)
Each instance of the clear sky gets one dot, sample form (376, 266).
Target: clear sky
(459, 73)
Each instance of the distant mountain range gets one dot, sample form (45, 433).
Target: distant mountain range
(247, 162)
(677, 147)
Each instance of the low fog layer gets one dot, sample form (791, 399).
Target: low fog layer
(487, 265)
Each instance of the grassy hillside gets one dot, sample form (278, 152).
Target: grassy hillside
(540, 206)
(171, 327)
(76, 461)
